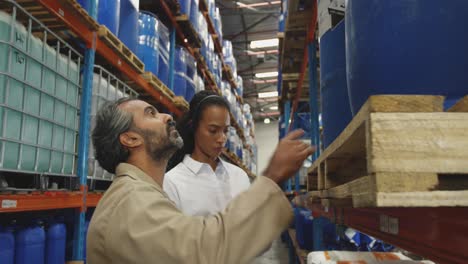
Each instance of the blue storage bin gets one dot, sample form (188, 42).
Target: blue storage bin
(30, 245)
(128, 23)
(7, 245)
(336, 109)
(56, 241)
(419, 49)
(148, 41)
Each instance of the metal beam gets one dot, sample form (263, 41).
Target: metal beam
(273, 32)
(251, 26)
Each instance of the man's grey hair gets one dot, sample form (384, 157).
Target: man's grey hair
(111, 122)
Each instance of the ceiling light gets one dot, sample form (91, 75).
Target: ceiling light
(242, 5)
(268, 94)
(265, 81)
(274, 108)
(266, 74)
(263, 52)
(256, 44)
(266, 121)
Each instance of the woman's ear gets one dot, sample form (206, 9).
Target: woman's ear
(131, 139)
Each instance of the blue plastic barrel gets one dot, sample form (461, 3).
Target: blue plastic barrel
(163, 71)
(336, 111)
(304, 228)
(194, 14)
(180, 60)
(128, 23)
(191, 67)
(190, 92)
(108, 13)
(185, 6)
(7, 245)
(180, 84)
(281, 24)
(406, 47)
(30, 245)
(56, 241)
(148, 41)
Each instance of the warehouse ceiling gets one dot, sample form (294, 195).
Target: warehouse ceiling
(245, 21)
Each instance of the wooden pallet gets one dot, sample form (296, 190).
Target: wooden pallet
(398, 151)
(76, 7)
(157, 84)
(189, 32)
(117, 45)
(180, 103)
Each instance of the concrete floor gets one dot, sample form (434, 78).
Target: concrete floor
(277, 254)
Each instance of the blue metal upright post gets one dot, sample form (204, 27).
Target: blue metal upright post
(297, 176)
(172, 58)
(313, 98)
(84, 135)
(287, 114)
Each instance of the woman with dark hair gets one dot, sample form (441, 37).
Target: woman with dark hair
(200, 182)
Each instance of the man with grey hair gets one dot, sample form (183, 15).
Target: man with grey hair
(135, 221)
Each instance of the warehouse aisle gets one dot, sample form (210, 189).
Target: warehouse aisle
(278, 254)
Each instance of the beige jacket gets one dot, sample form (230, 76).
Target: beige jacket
(135, 222)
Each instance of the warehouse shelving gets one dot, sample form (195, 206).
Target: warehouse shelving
(68, 15)
(437, 233)
(38, 201)
(171, 13)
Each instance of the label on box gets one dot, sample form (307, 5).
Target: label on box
(9, 203)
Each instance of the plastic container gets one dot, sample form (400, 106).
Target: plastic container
(336, 111)
(128, 23)
(55, 245)
(194, 14)
(164, 42)
(420, 50)
(191, 67)
(148, 41)
(180, 84)
(185, 6)
(304, 228)
(108, 13)
(7, 245)
(106, 87)
(163, 71)
(30, 245)
(38, 102)
(180, 60)
(163, 67)
(190, 90)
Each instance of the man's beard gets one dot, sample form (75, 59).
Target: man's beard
(162, 147)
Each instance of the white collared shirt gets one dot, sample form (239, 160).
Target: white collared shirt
(198, 190)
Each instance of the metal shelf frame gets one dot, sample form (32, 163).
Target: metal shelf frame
(65, 12)
(436, 233)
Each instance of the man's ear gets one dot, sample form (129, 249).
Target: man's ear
(131, 139)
